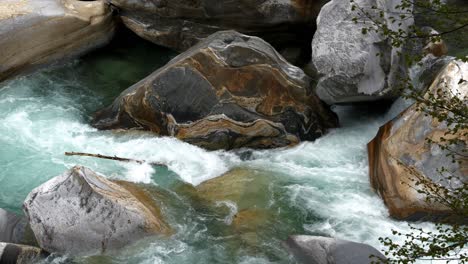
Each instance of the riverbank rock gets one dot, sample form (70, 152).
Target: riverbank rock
(400, 153)
(37, 32)
(325, 250)
(82, 212)
(182, 24)
(20, 254)
(346, 60)
(15, 229)
(229, 91)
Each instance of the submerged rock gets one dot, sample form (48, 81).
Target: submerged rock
(227, 92)
(325, 250)
(15, 229)
(180, 24)
(36, 32)
(243, 202)
(82, 212)
(20, 254)
(346, 60)
(400, 153)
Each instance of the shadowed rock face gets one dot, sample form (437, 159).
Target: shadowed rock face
(36, 32)
(346, 60)
(15, 229)
(80, 212)
(180, 24)
(20, 254)
(325, 250)
(229, 91)
(400, 151)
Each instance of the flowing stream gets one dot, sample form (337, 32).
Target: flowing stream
(318, 188)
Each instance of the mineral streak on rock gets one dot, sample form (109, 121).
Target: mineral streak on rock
(400, 153)
(229, 91)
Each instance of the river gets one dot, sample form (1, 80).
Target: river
(319, 188)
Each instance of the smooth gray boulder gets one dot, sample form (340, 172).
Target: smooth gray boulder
(80, 212)
(15, 229)
(20, 254)
(325, 250)
(346, 60)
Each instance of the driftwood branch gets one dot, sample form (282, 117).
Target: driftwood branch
(113, 158)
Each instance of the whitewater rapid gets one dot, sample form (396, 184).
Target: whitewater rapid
(326, 182)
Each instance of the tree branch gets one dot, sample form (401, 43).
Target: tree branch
(113, 158)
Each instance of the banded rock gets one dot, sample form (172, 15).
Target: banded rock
(399, 155)
(229, 91)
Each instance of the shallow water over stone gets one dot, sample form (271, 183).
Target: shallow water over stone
(319, 187)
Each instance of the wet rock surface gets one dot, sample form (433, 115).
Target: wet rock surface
(242, 200)
(400, 153)
(80, 212)
(325, 250)
(229, 91)
(38, 32)
(180, 24)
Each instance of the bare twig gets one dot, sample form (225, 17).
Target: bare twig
(113, 158)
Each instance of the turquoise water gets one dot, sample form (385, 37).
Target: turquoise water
(319, 187)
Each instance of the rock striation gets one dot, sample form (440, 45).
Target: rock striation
(346, 60)
(180, 24)
(229, 91)
(37, 32)
(400, 153)
(80, 212)
(325, 250)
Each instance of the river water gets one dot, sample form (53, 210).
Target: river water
(319, 188)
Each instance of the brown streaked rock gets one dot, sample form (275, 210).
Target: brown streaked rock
(400, 152)
(81, 212)
(38, 32)
(229, 91)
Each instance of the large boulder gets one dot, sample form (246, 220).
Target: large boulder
(15, 229)
(326, 250)
(36, 32)
(400, 154)
(229, 91)
(20, 254)
(80, 212)
(180, 24)
(346, 60)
